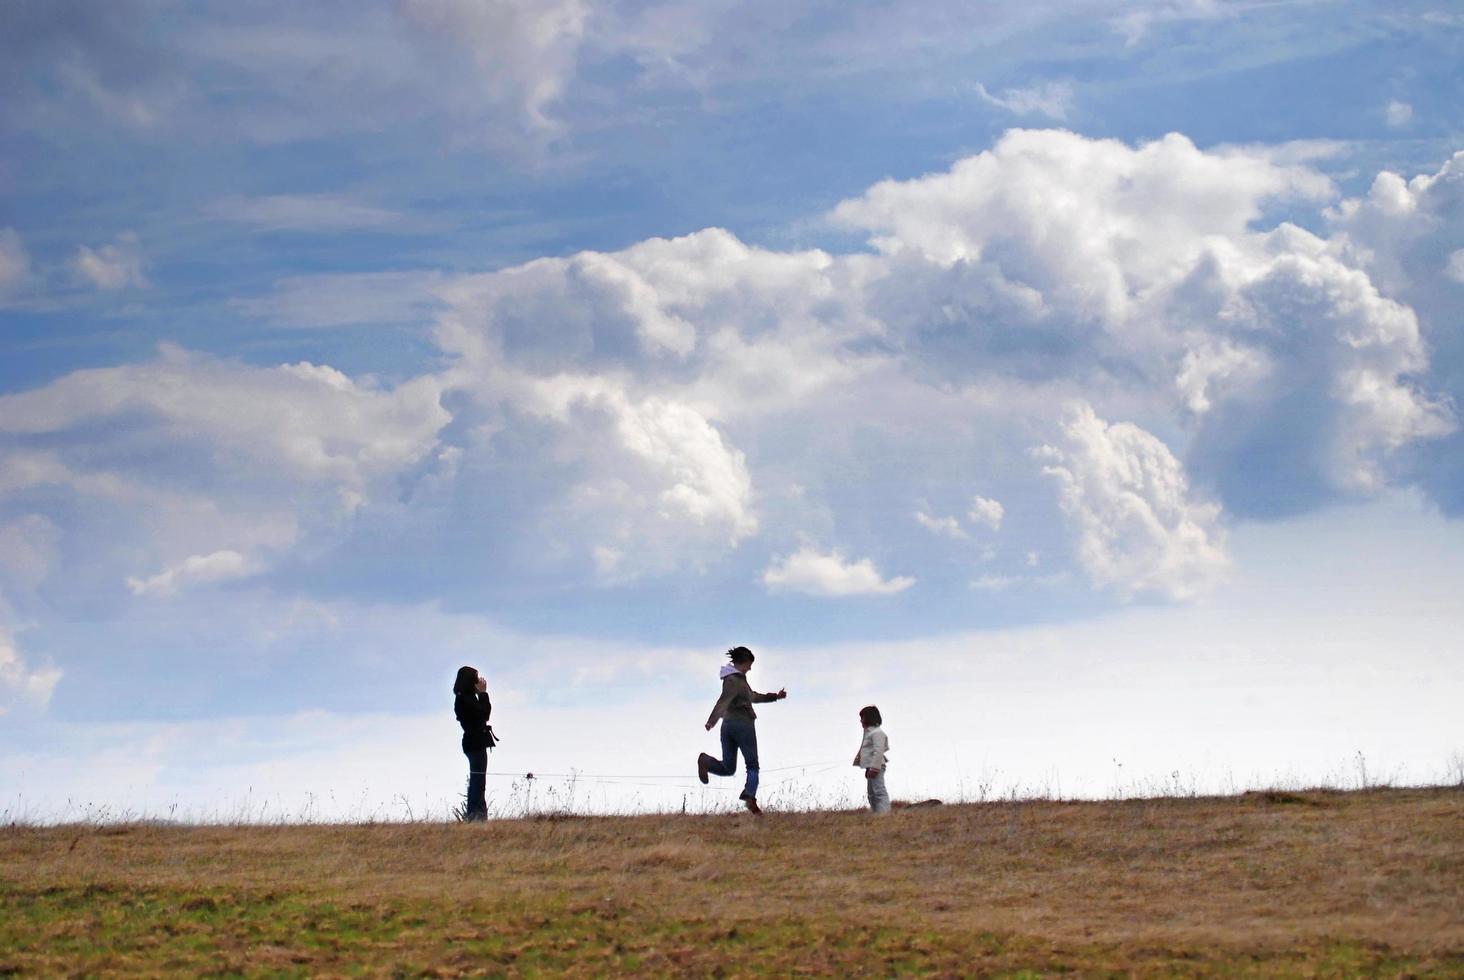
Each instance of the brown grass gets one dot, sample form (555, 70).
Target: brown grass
(1315, 883)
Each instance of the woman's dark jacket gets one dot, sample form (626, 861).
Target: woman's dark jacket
(472, 710)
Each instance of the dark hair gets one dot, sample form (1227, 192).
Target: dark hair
(869, 714)
(467, 681)
(740, 655)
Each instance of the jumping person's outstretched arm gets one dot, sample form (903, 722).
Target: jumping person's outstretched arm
(764, 698)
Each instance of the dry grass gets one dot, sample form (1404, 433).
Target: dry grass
(1317, 883)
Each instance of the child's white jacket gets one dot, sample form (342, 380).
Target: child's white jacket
(872, 750)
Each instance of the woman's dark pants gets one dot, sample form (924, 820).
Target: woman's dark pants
(477, 808)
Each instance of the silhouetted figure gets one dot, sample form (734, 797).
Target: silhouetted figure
(739, 725)
(473, 708)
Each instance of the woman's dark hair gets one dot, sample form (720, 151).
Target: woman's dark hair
(869, 714)
(740, 655)
(467, 681)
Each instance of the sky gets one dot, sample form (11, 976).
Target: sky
(1082, 382)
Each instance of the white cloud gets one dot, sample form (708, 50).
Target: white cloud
(662, 484)
(1137, 19)
(19, 683)
(205, 468)
(1051, 99)
(1401, 229)
(113, 266)
(525, 51)
(947, 526)
(661, 400)
(813, 572)
(1454, 268)
(307, 213)
(1398, 114)
(306, 419)
(1306, 324)
(219, 566)
(1091, 226)
(1139, 529)
(1147, 257)
(1221, 365)
(986, 511)
(642, 363)
(14, 261)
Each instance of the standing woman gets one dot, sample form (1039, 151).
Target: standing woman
(739, 731)
(472, 708)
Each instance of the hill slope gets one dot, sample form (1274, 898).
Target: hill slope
(1319, 882)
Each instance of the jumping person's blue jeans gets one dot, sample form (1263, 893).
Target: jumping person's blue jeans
(477, 808)
(738, 734)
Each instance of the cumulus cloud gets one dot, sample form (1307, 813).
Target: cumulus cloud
(817, 573)
(1398, 114)
(660, 482)
(633, 368)
(1089, 226)
(307, 419)
(1277, 340)
(987, 512)
(1407, 234)
(1319, 388)
(651, 410)
(947, 526)
(110, 267)
(204, 468)
(21, 684)
(1139, 529)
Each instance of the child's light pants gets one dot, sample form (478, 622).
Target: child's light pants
(879, 797)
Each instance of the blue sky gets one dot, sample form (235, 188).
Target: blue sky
(346, 343)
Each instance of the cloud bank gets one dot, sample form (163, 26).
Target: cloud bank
(689, 413)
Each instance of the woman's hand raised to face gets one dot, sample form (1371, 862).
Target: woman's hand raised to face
(482, 684)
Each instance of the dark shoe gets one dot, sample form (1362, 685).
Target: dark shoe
(701, 766)
(751, 803)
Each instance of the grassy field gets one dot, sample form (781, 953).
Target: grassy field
(1316, 884)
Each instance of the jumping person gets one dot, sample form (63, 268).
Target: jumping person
(871, 756)
(739, 731)
(473, 708)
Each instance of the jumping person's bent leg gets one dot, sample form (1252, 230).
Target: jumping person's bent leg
(727, 765)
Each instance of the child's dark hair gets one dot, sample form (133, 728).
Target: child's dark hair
(869, 714)
(740, 655)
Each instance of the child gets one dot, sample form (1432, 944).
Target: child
(739, 732)
(871, 756)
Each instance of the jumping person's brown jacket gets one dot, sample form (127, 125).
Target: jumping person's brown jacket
(737, 698)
